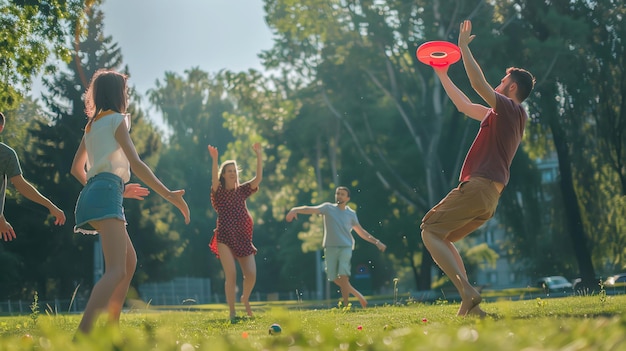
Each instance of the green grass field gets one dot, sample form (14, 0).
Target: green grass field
(571, 323)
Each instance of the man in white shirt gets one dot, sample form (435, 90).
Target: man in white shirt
(338, 242)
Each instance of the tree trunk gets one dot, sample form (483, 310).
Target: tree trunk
(425, 277)
(573, 218)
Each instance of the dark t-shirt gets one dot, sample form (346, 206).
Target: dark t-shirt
(497, 141)
(9, 168)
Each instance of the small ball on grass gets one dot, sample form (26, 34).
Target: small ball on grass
(275, 329)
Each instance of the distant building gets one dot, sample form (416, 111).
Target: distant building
(505, 274)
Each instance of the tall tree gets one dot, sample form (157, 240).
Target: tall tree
(377, 109)
(49, 257)
(50, 158)
(30, 31)
(581, 84)
(601, 106)
(264, 111)
(192, 107)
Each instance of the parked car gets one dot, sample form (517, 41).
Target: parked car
(616, 279)
(595, 284)
(555, 283)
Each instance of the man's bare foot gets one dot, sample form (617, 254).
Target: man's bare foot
(246, 304)
(469, 302)
(477, 311)
(363, 303)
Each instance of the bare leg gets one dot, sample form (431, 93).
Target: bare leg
(114, 240)
(248, 268)
(343, 281)
(119, 295)
(445, 254)
(345, 291)
(475, 310)
(230, 276)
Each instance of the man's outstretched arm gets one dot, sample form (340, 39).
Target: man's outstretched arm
(29, 192)
(459, 99)
(474, 73)
(308, 210)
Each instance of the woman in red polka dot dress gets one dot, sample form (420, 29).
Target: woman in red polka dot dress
(232, 239)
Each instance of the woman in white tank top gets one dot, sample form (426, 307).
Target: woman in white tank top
(103, 163)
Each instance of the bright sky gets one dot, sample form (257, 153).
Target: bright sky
(161, 36)
(164, 35)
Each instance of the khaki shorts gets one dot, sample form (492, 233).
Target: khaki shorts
(337, 261)
(463, 210)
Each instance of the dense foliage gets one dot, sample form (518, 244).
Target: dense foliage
(345, 102)
(31, 32)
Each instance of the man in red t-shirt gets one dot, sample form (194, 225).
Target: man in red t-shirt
(485, 170)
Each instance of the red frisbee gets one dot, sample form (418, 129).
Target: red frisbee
(438, 53)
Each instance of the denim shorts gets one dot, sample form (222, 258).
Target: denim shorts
(101, 198)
